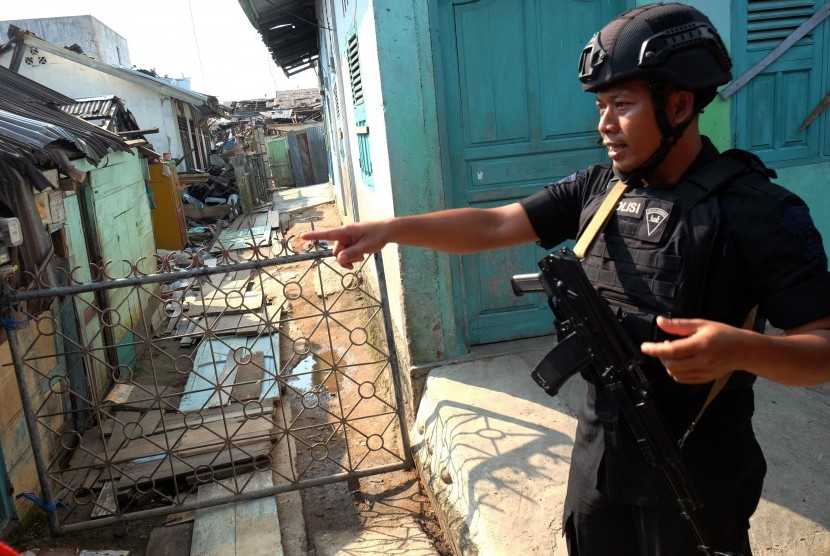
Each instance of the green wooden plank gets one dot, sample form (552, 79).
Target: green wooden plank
(257, 522)
(213, 528)
(209, 365)
(249, 528)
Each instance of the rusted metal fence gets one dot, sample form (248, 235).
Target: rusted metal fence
(261, 372)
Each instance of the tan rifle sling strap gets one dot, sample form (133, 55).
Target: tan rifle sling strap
(720, 382)
(600, 219)
(583, 245)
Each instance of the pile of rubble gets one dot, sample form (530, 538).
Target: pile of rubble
(211, 195)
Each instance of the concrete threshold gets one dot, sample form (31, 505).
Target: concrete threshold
(493, 451)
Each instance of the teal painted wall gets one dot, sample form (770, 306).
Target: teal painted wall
(408, 85)
(811, 183)
(116, 197)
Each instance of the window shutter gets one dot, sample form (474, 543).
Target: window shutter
(771, 21)
(361, 123)
(354, 71)
(772, 106)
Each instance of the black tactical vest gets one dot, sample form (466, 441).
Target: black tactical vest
(653, 256)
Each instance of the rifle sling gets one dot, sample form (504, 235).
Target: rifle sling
(600, 219)
(718, 385)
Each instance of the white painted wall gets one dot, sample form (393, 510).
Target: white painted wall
(95, 39)
(150, 108)
(374, 202)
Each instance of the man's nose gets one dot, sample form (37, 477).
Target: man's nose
(607, 121)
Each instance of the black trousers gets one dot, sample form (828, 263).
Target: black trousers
(599, 527)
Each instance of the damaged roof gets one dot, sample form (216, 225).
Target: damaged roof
(284, 105)
(252, 106)
(289, 29)
(297, 98)
(107, 112)
(208, 105)
(31, 123)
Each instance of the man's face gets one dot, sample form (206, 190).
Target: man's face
(627, 124)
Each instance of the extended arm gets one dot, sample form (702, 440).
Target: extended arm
(464, 230)
(710, 349)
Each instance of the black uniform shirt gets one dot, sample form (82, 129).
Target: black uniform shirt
(769, 254)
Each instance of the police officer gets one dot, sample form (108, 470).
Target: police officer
(698, 239)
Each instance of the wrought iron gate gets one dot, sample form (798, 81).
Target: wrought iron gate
(263, 375)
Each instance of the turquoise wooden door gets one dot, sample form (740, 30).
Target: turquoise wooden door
(513, 118)
(280, 162)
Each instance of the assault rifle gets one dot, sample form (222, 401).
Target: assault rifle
(593, 342)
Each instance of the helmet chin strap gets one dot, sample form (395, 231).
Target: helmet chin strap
(670, 136)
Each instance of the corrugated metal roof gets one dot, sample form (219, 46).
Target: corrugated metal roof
(107, 112)
(91, 107)
(289, 29)
(30, 121)
(29, 131)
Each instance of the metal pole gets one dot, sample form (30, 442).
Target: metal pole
(241, 497)
(60, 291)
(393, 359)
(29, 416)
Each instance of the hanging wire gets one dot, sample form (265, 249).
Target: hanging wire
(196, 40)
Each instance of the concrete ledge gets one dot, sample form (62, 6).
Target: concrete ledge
(493, 451)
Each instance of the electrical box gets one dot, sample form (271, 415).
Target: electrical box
(50, 206)
(10, 232)
(10, 235)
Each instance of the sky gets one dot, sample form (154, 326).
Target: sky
(210, 41)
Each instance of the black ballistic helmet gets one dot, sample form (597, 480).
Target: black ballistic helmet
(660, 44)
(657, 43)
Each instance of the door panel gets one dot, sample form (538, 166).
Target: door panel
(493, 74)
(514, 118)
(279, 161)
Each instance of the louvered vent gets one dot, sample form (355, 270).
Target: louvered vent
(771, 21)
(354, 71)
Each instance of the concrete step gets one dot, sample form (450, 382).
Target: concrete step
(493, 450)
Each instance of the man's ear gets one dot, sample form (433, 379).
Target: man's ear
(681, 106)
